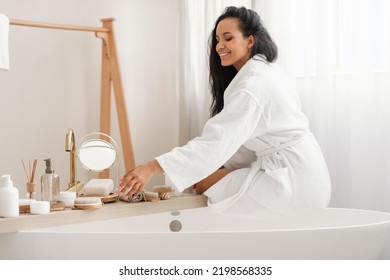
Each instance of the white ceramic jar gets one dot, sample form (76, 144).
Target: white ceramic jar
(68, 198)
(39, 207)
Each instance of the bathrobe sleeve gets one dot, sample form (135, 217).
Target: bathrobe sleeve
(222, 136)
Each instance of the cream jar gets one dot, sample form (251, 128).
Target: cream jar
(68, 198)
(39, 207)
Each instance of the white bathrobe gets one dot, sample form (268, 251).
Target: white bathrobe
(263, 135)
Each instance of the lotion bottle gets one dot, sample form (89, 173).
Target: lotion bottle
(50, 183)
(9, 198)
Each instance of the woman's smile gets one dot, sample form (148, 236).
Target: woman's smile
(223, 54)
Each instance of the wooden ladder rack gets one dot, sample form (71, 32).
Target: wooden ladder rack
(110, 75)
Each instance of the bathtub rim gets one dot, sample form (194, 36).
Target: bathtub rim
(385, 223)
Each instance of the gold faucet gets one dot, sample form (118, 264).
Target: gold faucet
(70, 146)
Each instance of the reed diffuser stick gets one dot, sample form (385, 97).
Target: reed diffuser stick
(33, 171)
(25, 171)
(30, 177)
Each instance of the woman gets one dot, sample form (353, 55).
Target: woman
(256, 154)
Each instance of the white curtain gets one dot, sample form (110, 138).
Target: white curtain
(338, 52)
(196, 22)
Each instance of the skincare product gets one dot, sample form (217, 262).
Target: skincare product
(39, 207)
(50, 183)
(68, 198)
(9, 198)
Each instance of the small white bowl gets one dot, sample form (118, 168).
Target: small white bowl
(68, 198)
(39, 207)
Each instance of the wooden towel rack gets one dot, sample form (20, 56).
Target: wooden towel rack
(110, 74)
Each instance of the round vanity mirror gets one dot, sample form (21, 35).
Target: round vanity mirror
(96, 154)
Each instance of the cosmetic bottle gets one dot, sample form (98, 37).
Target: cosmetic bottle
(50, 183)
(9, 198)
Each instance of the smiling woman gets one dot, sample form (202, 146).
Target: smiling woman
(256, 155)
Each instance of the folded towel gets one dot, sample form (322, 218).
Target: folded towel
(139, 198)
(4, 54)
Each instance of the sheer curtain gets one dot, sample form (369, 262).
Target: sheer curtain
(338, 53)
(196, 21)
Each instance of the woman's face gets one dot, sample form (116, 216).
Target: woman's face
(233, 48)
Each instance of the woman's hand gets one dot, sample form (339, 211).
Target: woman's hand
(135, 180)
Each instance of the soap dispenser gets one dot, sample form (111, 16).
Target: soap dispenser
(9, 198)
(50, 183)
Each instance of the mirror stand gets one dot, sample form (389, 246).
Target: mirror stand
(97, 153)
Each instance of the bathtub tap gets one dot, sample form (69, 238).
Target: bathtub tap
(70, 146)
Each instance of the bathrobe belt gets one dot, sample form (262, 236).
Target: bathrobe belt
(256, 167)
(283, 146)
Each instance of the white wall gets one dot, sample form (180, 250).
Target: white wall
(54, 80)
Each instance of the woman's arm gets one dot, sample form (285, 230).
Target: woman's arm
(207, 182)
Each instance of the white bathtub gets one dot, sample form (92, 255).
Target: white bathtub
(330, 234)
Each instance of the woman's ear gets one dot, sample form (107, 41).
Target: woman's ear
(251, 41)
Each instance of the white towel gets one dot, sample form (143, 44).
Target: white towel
(4, 54)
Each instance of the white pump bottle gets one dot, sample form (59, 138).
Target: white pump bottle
(9, 198)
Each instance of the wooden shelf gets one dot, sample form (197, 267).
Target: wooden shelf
(117, 209)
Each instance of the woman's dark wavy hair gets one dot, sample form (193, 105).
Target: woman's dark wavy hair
(220, 76)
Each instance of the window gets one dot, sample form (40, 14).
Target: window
(351, 34)
(362, 29)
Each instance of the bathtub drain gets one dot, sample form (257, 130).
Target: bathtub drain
(175, 226)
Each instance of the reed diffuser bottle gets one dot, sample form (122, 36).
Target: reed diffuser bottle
(50, 183)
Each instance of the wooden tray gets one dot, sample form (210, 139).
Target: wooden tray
(57, 206)
(24, 209)
(88, 206)
(54, 206)
(112, 197)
